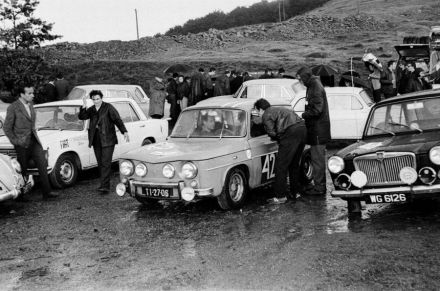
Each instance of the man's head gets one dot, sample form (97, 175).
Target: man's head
(175, 76)
(391, 65)
(59, 75)
(261, 105)
(211, 71)
(96, 96)
(228, 73)
(26, 93)
(181, 79)
(281, 71)
(208, 122)
(201, 70)
(411, 66)
(303, 75)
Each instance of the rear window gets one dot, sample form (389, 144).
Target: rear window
(367, 99)
(76, 93)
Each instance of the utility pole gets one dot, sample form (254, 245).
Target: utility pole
(279, 10)
(284, 12)
(137, 27)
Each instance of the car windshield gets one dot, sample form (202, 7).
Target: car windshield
(211, 122)
(415, 115)
(58, 118)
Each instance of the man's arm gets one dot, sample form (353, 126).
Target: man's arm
(314, 107)
(269, 126)
(116, 118)
(8, 127)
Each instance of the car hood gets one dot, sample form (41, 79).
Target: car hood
(417, 143)
(47, 137)
(194, 149)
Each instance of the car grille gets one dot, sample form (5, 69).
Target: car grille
(9, 152)
(383, 168)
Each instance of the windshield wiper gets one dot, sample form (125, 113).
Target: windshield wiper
(384, 130)
(407, 126)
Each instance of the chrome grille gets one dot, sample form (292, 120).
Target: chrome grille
(383, 168)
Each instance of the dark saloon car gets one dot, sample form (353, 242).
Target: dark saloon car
(398, 157)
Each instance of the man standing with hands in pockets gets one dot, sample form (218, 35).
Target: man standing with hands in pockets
(102, 134)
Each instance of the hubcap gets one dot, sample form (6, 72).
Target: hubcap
(236, 187)
(66, 171)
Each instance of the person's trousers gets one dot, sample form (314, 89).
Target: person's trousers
(377, 95)
(317, 153)
(104, 157)
(287, 162)
(36, 153)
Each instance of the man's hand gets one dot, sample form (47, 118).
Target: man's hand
(84, 101)
(126, 137)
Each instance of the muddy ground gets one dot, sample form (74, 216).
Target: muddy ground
(87, 241)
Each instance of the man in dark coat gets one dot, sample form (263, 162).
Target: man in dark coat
(388, 80)
(316, 116)
(236, 81)
(288, 129)
(157, 99)
(20, 129)
(50, 93)
(172, 99)
(222, 84)
(102, 134)
(62, 87)
(197, 88)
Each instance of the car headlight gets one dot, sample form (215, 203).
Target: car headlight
(126, 168)
(141, 170)
(189, 170)
(434, 155)
(335, 164)
(16, 165)
(168, 171)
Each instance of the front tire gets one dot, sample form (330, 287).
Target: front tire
(306, 172)
(235, 190)
(65, 172)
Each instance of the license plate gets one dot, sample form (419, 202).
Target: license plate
(157, 192)
(387, 198)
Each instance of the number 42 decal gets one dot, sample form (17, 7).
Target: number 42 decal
(268, 169)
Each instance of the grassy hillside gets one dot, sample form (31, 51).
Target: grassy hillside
(331, 34)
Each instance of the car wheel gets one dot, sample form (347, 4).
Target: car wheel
(306, 173)
(234, 191)
(354, 206)
(65, 172)
(147, 201)
(146, 141)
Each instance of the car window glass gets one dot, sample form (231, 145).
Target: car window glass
(119, 94)
(397, 114)
(126, 112)
(272, 91)
(58, 117)
(253, 92)
(300, 105)
(76, 93)
(139, 97)
(284, 93)
(298, 87)
(355, 103)
(367, 99)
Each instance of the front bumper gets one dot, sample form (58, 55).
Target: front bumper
(17, 190)
(421, 191)
(135, 188)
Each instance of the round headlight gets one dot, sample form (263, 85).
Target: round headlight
(168, 171)
(434, 155)
(141, 170)
(335, 164)
(126, 168)
(408, 175)
(16, 165)
(189, 170)
(358, 179)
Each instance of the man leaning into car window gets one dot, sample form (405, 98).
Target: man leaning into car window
(288, 129)
(102, 134)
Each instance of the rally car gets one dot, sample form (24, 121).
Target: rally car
(217, 149)
(12, 182)
(65, 137)
(398, 158)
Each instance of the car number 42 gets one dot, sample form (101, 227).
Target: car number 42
(387, 198)
(268, 168)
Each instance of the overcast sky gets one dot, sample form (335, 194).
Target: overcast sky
(88, 21)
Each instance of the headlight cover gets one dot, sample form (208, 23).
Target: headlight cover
(16, 165)
(335, 164)
(168, 171)
(126, 168)
(141, 170)
(189, 170)
(434, 155)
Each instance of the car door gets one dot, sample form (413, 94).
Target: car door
(132, 123)
(252, 92)
(278, 92)
(343, 109)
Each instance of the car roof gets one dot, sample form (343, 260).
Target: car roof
(413, 95)
(343, 90)
(236, 103)
(105, 86)
(284, 81)
(78, 102)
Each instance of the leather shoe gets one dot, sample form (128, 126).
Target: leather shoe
(49, 196)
